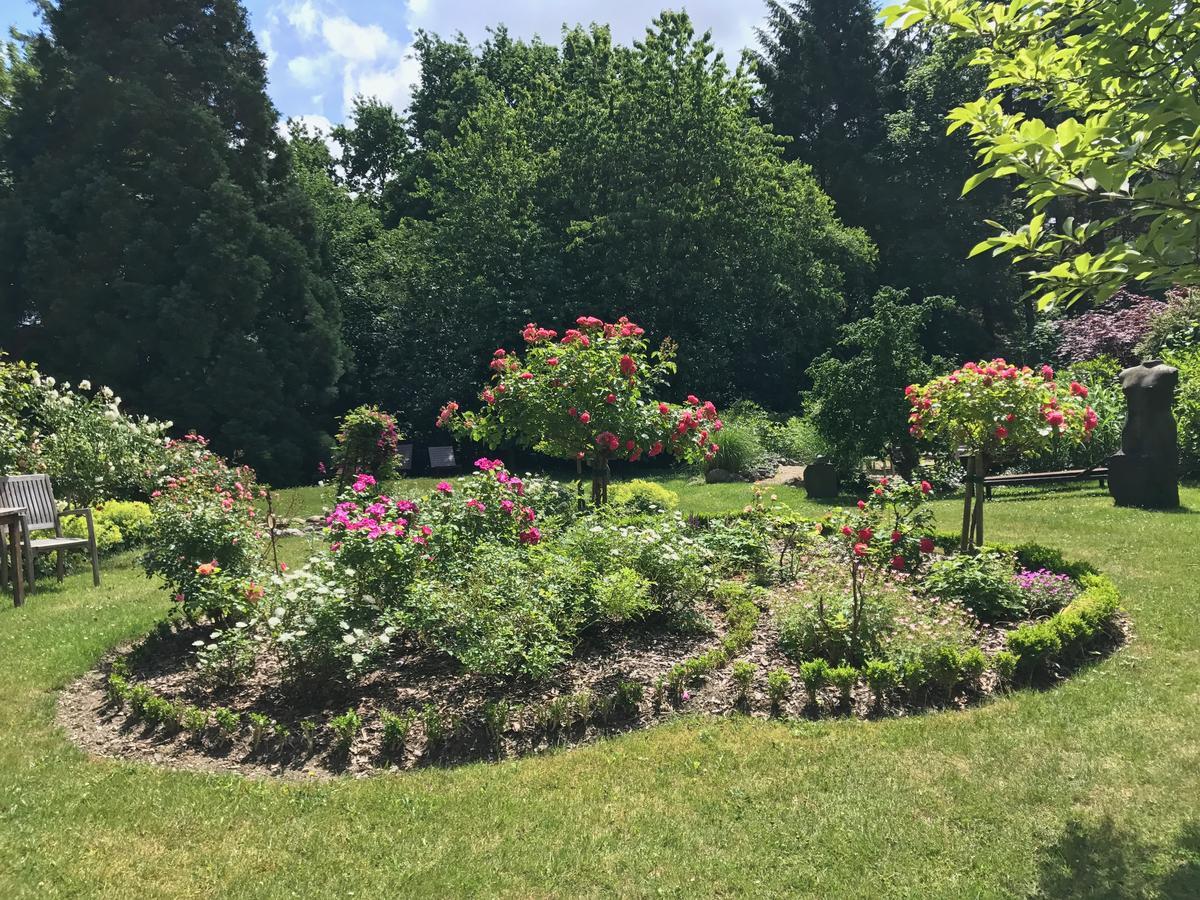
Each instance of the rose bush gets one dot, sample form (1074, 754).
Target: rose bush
(367, 440)
(588, 396)
(995, 412)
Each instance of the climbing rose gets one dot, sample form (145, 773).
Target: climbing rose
(1078, 389)
(1001, 432)
(585, 417)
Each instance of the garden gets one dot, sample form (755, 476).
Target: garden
(621, 463)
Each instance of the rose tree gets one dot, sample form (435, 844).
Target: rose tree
(587, 396)
(995, 412)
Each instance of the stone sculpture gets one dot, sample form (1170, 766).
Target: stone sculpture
(1145, 472)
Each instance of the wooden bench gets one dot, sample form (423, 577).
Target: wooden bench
(35, 495)
(1099, 473)
(405, 454)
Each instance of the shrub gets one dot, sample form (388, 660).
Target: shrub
(227, 721)
(779, 687)
(740, 451)
(118, 523)
(814, 675)
(367, 441)
(882, 676)
(1004, 664)
(261, 728)
(1039, 556)
(496, 717)
(743, 677)
(396, 729)
(628, 696)
(1176, 327)
(1114, 328)
(983, 584)
(1045, 592)
(643, 496)
(1187, 407)
(972, 664)
(822, 626)
(843, 678)
(1067, 635)
(195, 720)
(345, 729)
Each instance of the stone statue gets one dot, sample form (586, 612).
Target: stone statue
(1146, 470)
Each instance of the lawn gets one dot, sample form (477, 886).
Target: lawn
(1089, 789)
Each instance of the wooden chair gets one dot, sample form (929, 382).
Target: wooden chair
(35, 494)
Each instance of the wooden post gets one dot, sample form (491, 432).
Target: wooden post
(968, 493)
(980, 474)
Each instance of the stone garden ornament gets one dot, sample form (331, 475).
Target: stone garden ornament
(1145, 471)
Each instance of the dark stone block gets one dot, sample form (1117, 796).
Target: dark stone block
(1146, 470)
(821, 479)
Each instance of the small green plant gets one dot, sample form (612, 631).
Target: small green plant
(643, 496)
(944, 667)
(261, 728)
(1004, 664)
(160, 711)
(195, 721)
(345, 729)
(138, 696)
(396, 728)
(843, 678)
(496, 717)
(972, 664)
(308, 735)
(882, 676)
(982, 584)
(779, 687)
(227, 721)
(814, 675)
(743, 678)
(437, 726)
(116, 689)
(628, 696)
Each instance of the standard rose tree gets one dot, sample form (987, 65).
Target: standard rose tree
(587, 396)
(996, 412)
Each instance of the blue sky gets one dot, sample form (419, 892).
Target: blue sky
(322, 53)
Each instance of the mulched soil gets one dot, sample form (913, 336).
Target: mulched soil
(641, 654)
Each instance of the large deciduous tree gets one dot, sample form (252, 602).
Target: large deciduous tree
(157, 239)
(1118, 145)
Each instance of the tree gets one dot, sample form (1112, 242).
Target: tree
(1119, 141)
(856, 398)
(625, 178)
(159, 241)
(995, 412)
(587, 397)
(821, 66)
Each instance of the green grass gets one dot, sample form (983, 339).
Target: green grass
(1086, 790)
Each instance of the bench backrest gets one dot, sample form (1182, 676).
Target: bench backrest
(405, 452)
(442, 458)
(35, 494)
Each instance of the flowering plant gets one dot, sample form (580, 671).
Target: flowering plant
(204, 536)
(1045, 591)
(587, 396)
(995, 411)
(367, 441)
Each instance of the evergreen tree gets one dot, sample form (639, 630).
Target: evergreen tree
(162, 243)
(821, 66)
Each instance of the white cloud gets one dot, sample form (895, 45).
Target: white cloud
(304, 17)
(361, 43)
(310, 71)
(392, 83)
(313, 124)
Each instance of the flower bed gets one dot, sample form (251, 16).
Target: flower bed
(500, 616)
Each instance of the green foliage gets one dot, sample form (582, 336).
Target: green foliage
(983, 584)
(857, 398)
(262, 727)
(741, 452)
(821, 625)
(345, 729)
(1123, 166)
(1177, 327)
(643, 496)
(779, 687)
(843, 678)
(396, 729)
(118, 524)
(743, 673)
(1004, 664)
(628, 696)
(1187, 407)
(972, 664)
(1069, 634)
(227, 721)
(814, 675)
(882, 676)
(1104, 395)
(792, 440)
(161, 214)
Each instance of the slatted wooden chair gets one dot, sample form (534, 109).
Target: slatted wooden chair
(36, 495)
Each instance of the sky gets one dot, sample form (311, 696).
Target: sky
(323, 53)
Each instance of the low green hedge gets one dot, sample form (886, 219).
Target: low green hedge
(1066, 636)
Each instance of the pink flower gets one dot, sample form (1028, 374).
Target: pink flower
(552, 361)
(1078, 389)
(663, 409)
(500, 354)
(507, 506)
(860, 549)
(531, 536)
(865, 534)
(693, 400)
(926, 487)
(585, 417)
(862, 504)
(446, 414)
(608, 441)
(445, 487)
(926, 545)
(896, 536)
(611, 398)
(1047, 373)
(283, 567)
(525, 376)
(362, 482)
(571, 412)
(1001, 432)
(475, 505)
(208, 568)
(1054, 417)
(656, 448)
(628, 366)
(847, 530)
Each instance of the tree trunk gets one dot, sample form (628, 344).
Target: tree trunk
(964, 542)
(980, 494)
(600, 481)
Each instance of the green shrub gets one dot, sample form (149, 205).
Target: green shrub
(982, 584)
(496, 717)
(643, 496)
(972, 664)
(814, 675)
(882, 676)
(345, 729)
(261, 728)
(843, 678)
(628, 696)
(395, 731)
(227, 721)
(116, 688)
(118, 524)
(1069, 634)
(779, 687)
(195, 720)
(1035, 646)
(803, 633)
(743, 677)
(1038, 556)
(1004, 664)
(1187, 407)
(740, 451)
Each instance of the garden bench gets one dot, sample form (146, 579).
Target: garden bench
(1100, 473)
(442, 458)
(405, 454)
(35, 495)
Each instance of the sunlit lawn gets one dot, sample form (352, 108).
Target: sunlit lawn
(1088, 790)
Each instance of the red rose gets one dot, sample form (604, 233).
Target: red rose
(926, 487)
(898, 563)
(628, 366)
(585, 417)
(865, 534)
(611, 398)
(552, 361)
(896, 537)
(927, 545)
(847, 530)
(860, 549)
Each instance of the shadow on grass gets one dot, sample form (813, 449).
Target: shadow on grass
(1102, 860)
